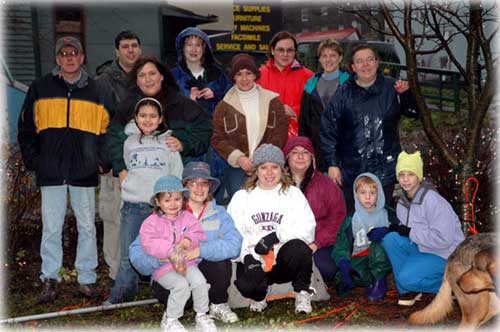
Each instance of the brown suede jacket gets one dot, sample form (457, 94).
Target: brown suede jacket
(230, 138)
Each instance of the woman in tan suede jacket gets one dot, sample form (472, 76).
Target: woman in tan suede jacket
(247, 117)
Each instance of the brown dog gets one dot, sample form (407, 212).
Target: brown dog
(470, 273)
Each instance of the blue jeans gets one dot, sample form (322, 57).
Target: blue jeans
(414, 271)
(132, 216)
(54, 203)
(235, 178)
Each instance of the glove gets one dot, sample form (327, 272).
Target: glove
(268, 261)
(404, 230)
(347, 273)
(393, 227)
(377, 234)
(266, 243)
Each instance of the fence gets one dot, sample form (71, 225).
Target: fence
(440, 87)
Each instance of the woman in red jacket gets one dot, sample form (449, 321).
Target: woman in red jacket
(324, 197)
(283, 74)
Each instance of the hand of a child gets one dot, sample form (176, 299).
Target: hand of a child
(184, 244)
(347, 273)
(192, 254)
(178, 261)
(377, 234)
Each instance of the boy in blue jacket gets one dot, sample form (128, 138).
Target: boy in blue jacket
(427, 233)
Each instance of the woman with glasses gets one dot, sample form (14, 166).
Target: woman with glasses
(285, 75)
(223, 242)
(324, 197)
(360, 126)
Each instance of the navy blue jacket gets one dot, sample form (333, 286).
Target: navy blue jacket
(360, 129)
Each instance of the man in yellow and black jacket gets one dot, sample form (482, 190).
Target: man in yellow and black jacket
(61, 134)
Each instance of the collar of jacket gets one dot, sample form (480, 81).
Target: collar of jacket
(265, 97)
(422, 191)
(210, 209)
(81, 83)
(313, 81)
(295, 65)
(116, 70)
(374, 89)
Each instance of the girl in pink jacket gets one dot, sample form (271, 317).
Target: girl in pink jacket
(165, 235)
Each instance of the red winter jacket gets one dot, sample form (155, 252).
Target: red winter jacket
(327, 204)
(289, 83)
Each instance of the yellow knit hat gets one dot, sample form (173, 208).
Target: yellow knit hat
(410, 162)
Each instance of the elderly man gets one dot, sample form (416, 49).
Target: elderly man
(61, 135)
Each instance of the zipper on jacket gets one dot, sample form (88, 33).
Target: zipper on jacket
(67, 109)
(175, 231)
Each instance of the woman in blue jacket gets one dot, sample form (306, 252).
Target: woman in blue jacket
(360, 126)
(223, 241)
(318, 91)
(201, 78)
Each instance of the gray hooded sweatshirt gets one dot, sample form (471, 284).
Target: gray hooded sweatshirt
(147, 160)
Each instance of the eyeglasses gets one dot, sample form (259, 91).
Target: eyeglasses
(65, 54)
(284, 50)
(200, 184)
(369, 60)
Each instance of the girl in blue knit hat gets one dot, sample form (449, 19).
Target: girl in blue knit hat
(166, 235)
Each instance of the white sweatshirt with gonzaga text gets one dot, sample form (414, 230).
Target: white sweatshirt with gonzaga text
(259, 212)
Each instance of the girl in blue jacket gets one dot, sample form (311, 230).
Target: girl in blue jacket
(223, 242)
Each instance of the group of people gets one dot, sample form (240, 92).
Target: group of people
(307, 161)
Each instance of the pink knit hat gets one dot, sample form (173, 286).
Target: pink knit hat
(298, 141)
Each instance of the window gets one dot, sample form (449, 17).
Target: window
(444, 62)
(304, 14)
(69, 21)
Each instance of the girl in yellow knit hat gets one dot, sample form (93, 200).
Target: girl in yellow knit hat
(427, 233)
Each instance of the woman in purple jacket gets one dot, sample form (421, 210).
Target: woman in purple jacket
(324, 197)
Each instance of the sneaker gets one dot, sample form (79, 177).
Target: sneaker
(49, 291)
(303, 301)
(172, 325)
(223, 313)
(89, 290)
(204, 323)
(409, 299)
(258, 306)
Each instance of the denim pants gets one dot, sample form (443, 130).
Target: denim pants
(54, 204)
(132, 216)
(414, 271)
(180, 287)
(234, 179)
